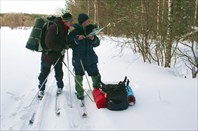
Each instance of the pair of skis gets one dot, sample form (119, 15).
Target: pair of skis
(83, 109)
(39, 99)
(57, 108)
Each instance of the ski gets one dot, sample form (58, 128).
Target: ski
(57, 105)
(31, 121)
(83, 109)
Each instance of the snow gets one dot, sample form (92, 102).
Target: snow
(165, 100)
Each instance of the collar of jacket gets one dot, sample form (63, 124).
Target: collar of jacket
(62, 23)
(79, 29)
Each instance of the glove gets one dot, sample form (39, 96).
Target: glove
(89, 28)
(66, 47)
(91, 37)
(81, 37)
(63, 52)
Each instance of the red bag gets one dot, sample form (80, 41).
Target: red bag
(99, 98)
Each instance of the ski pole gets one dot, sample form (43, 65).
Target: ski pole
(44, 81)
(78, 81)
(85, 75)
(69, 80)
(49, 73)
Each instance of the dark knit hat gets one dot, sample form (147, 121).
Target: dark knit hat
(82, 18)
(67, 17)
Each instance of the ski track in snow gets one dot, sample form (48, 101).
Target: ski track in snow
(69, 118)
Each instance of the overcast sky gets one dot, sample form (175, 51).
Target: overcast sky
(31, 6)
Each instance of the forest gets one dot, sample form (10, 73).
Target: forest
(157, 29)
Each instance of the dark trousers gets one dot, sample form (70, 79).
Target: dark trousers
(92, 70)
(45, 70)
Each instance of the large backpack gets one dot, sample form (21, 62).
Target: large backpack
(116, 95)
(36, 41)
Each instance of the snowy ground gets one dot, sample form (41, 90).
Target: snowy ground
(165, 100)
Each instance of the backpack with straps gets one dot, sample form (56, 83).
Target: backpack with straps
(36, 41)
(116, 95)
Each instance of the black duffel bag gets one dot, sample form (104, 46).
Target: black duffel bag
(116, 95)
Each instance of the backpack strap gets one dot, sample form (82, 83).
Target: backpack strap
(124, 81)
(102, 85)
(127, 84)
(52, 19)
(48, 23)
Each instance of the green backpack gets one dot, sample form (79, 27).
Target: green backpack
(36, 41)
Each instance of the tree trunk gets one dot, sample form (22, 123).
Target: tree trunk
(162, 36)
(95, 11)
(196, 45)
(88, 7)
(169, 35)
(195, 16)
(157, 49)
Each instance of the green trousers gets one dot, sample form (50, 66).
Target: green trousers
(79, 83)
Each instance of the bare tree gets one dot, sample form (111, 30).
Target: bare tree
(157, 49)
(188, 53)
(96, 11)
(169, 35)
(151, 25)
(196, 46)
(159, 43)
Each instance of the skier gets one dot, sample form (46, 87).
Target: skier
(56, 45)
(84, 57)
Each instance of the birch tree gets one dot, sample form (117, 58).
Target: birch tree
(158, 42)
(169, 36)
(95, 11)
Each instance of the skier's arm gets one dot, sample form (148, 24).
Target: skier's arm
(70, 39)
(95, 42)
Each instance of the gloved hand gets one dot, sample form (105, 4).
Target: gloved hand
(81, 37)
(91, 37)
(89, 28)
(63, 52)
(66, 46)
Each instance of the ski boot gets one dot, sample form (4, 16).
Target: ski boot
(40, 94)
(59, 91)
(79, 96)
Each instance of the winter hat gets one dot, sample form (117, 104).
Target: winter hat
(67, 17)
(82, 18)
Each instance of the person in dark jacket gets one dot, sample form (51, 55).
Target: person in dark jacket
(84, 57)
(55, 41)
